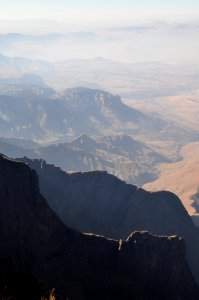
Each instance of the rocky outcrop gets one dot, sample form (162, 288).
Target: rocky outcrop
(36, 245)
(101, 203)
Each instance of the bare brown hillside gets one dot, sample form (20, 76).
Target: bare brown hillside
(182, 177)
(181, 109)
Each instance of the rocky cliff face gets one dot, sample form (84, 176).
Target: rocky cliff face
(101, 203)
(35, 244)
(114, 206)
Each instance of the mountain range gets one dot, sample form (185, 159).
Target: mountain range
(99, 186)
(121, 140)
(121, 155)
(133, 81)
(40, 113)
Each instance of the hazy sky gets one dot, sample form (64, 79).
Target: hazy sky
(17, 9)
(123, 30)
(112, 4)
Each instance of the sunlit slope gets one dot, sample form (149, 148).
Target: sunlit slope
(181, 109)
(182, 177)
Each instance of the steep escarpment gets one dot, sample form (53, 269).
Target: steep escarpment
(101, 203)
(35, 244)
(114, 206)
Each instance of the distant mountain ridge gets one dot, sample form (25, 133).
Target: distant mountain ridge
(39, 113)
(121, 155)
(23, 80)
(142, 81)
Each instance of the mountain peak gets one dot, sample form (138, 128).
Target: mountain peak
(88, 95)
(84, 141)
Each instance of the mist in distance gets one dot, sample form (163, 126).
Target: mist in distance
(133, 42)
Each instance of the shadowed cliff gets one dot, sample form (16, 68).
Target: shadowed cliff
(101, 203)
(35, 244)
